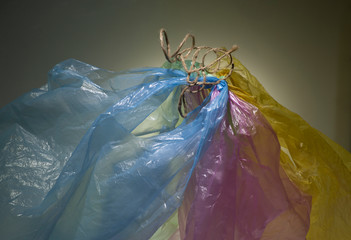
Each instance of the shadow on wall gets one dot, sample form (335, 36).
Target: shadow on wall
(343, 104)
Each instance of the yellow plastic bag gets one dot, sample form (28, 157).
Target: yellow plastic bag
(316, 164)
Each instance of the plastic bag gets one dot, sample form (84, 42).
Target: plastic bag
(318, 166)
(100, 155)
(91, 156)
(238, 189)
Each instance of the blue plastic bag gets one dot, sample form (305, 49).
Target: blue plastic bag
(100, 155)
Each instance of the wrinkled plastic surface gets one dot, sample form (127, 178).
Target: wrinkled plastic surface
(168, 229)
(238, 190)
(318, 166)
(99, 155)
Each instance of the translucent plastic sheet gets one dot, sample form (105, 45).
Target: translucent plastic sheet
(238, 190)
(94, 155)
(318, 166)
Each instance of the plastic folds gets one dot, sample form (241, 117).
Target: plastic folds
(238, 190)
(315, 164)
(96, 154)
(79, 161)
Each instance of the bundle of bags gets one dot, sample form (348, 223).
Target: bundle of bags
(96, 154)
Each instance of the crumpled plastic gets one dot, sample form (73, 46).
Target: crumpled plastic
(315, 164)
(238, 189)
(96, 154)
(100, 155)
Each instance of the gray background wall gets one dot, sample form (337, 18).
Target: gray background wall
(299, 50)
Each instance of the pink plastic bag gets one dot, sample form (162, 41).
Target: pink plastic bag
(238, 189)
